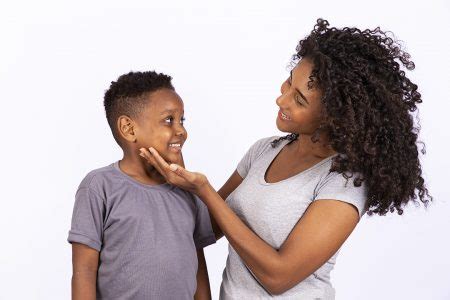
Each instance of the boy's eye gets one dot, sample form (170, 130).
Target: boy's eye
(169, 120)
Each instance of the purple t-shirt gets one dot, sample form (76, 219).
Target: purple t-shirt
(147, 235)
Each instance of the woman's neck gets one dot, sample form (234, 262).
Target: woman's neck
(305, 146)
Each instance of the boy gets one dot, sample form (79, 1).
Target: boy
(133, 235)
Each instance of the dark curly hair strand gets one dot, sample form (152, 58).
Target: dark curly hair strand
(368, 105)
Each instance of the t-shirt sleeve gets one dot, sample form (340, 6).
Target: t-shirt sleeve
(203, 232)
(87, 219)
(335, 187)
(252, 154)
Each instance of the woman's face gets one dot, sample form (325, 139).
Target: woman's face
(300, 106)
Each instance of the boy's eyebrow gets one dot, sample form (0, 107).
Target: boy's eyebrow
(169, 111)
(301, 94)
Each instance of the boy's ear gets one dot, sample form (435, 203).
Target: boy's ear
(126, 128)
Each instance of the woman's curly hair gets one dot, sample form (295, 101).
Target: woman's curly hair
(369, 107)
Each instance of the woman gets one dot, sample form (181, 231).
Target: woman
(351, 149)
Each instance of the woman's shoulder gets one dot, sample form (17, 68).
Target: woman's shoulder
(337, 186)
(262, 144)
(257, 149)
(265, 141)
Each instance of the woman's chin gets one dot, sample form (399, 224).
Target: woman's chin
(282, 127)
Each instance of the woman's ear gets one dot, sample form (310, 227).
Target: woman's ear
(126, 128)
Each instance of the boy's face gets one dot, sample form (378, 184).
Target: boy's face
(160, 125)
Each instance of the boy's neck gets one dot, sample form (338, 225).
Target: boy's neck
(137, 168)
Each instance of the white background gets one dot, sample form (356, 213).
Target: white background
(228, 59)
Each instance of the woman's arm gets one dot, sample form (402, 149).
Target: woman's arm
(320, 232)
(317, 236)
(232, 183)
(203, 289)
(84, 274)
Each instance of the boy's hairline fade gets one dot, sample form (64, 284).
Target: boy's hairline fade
(130, 94)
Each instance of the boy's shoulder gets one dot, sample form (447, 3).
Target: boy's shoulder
(96, 178)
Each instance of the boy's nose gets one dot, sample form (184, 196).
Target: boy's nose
(181, 132)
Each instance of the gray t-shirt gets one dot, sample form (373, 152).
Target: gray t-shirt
(272, 210)
(147, 235)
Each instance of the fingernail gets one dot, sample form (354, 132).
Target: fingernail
(173, 167)
(142, 149)
(151, 149)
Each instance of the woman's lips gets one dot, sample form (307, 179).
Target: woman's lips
(283, 117)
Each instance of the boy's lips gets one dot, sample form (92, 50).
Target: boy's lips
(175, 147)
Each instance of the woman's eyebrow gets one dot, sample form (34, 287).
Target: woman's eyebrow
(300, 93)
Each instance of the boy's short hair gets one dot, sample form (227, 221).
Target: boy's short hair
(128, 95)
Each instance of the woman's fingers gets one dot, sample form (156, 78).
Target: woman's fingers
(173, 173)
(162, 166)
(145, 153)
(161, 162)
(195, 180)
(182, 172)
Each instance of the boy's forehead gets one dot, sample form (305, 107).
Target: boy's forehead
(165, 100)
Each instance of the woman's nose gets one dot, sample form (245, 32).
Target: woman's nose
(281, 100)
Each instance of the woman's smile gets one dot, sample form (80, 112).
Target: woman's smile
(283, 116)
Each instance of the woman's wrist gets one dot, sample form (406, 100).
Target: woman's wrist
(204, 190)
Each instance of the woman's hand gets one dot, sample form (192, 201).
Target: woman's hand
(175, 174)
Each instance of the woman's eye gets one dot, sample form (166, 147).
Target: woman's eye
(183, 119)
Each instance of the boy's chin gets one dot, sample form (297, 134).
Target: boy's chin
(172, 157)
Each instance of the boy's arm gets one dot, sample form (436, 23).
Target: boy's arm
(203, 290)
(84, 276)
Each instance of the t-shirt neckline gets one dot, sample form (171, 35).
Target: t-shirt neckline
(163, 187)
(262, 179)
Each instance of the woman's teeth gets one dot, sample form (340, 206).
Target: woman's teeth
(284, 117)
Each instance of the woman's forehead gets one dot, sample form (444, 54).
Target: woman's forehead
(302, 71)
(300, 78)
